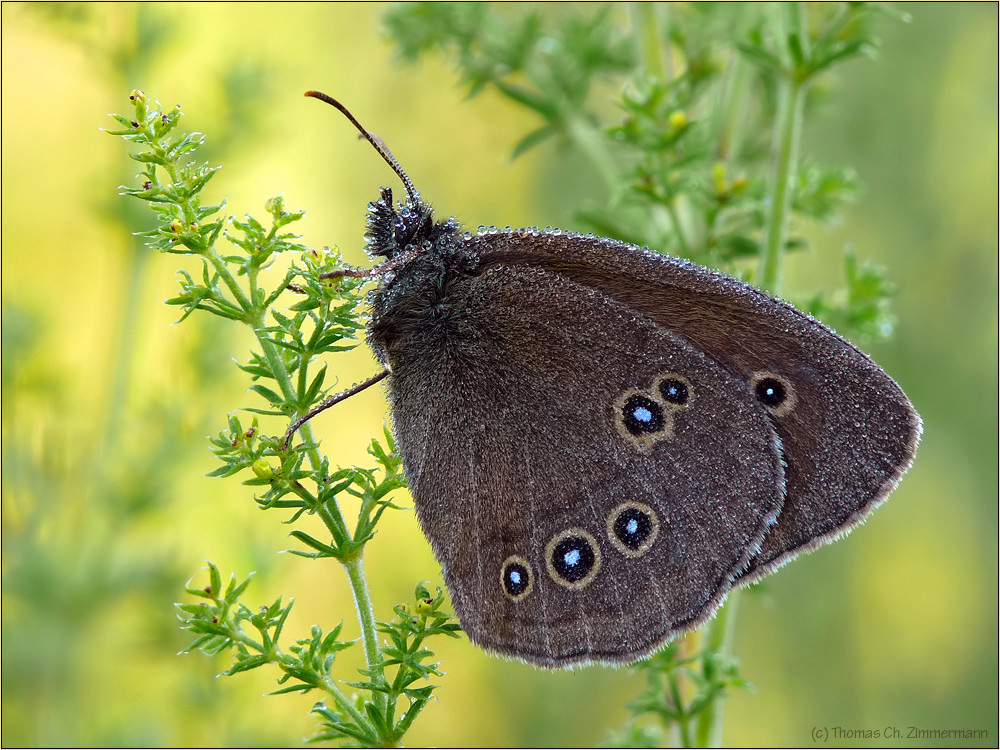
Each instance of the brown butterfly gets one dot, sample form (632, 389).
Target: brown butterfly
(602, 441)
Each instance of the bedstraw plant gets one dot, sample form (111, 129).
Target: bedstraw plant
(690, 117)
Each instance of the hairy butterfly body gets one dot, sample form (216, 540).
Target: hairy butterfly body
(601, 441)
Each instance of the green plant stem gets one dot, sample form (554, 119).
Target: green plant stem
(344, 702)
(275, 362)
(788, 131)
(366, 617)
(717, 642)
(646, 26)
(683, 718)
(328, 512)
(739, 77)
(717, 637)
(252, 644)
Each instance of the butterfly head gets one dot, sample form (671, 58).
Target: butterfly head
(392, 229)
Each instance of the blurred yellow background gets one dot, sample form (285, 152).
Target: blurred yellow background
(106, 405)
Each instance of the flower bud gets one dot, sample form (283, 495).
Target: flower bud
(262, 469)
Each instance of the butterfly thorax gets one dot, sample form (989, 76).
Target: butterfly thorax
(423, 258)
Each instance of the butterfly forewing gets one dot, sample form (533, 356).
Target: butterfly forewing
(848, 431)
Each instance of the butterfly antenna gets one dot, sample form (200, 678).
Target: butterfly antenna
(336, 399)
(411, 192)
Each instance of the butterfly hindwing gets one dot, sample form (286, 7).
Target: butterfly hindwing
(590, 482)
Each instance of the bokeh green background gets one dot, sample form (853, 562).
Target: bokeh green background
(106, 405)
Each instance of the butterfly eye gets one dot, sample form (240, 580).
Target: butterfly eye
(675, 390)
(633, 527)
(774, 392)
(573, 558)
(406, 227)
(516, 578)
(642, 414)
